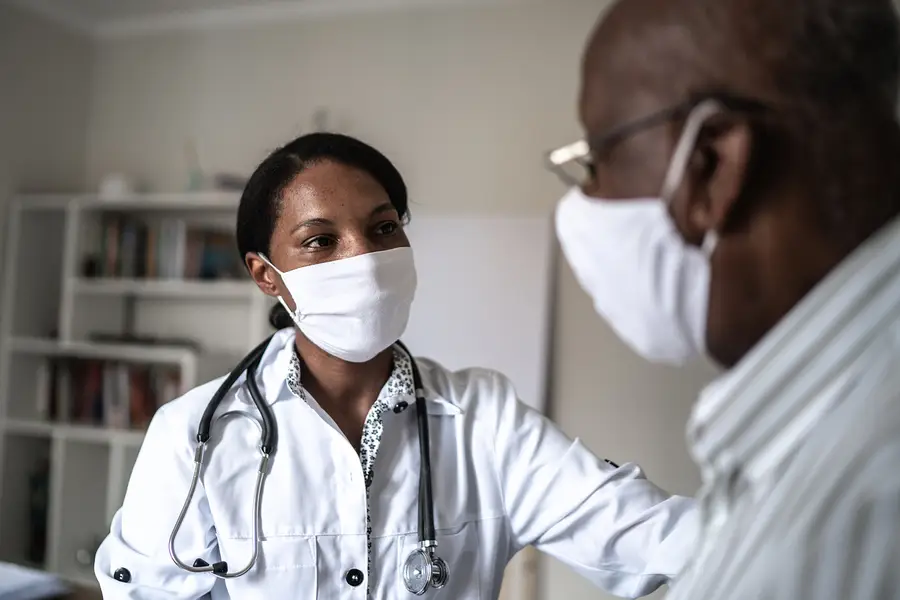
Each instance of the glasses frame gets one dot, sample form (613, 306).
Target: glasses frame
(584, 152)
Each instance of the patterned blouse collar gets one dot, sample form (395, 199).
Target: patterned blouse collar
(399, 384)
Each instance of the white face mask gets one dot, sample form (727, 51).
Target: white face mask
(645, 280)
(353, 308)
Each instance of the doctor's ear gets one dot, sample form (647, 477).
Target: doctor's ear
(263, 275)
(720, 168)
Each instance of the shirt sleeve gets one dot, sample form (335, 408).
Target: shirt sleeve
(608, 523)
(133, 561)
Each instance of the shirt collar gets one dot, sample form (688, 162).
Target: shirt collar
(280, 360)
(398, 386)
(762, 409)
(272, 366)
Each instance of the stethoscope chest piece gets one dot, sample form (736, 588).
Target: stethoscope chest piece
(423, 570)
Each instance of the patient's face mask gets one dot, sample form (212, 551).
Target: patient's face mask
(353, 308)
(645, 280)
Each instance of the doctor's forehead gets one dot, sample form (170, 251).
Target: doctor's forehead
(332, 191)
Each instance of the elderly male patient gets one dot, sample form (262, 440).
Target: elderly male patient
(771, 128)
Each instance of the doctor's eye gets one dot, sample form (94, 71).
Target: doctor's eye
(320, 241)
(387, 228)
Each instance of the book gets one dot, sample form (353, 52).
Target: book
(110, 393)
(166, 249)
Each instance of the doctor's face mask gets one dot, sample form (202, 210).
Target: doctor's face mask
(643, 277)
(353, 308)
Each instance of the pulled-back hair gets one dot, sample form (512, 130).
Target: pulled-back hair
(261, 201)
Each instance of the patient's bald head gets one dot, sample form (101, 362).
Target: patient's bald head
(818, 51)
(792, 188)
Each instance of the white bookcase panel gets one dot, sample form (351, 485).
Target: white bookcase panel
(25, 458)
(28, 387)
(228, 331)
(81, 506)
(36, 263)
(203, 291)
(96, 315)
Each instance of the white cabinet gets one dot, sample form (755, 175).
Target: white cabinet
(64, 464)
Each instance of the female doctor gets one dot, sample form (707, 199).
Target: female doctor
(320, 225)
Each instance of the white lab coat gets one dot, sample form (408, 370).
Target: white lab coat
(504, 478)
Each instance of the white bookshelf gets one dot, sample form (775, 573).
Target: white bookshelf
(50, 309)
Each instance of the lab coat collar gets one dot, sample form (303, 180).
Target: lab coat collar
(757, 414)
(276, 362)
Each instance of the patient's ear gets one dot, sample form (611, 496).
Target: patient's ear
(721, 174)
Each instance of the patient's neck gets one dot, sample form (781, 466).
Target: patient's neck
(345, 390)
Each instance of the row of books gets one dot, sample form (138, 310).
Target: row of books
(167, 249)
(105, 393)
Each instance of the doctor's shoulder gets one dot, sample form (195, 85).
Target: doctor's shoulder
(178, 418)
(484, 397)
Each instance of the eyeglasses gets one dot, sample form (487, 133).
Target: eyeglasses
(575, 163)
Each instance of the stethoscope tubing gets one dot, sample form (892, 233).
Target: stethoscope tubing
(427, 536)
(268, 445)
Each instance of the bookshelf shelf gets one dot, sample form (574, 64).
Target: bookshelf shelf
(162, 355)
(74, 432)
(175, 202)
(175, 289)
(91, 345)
(206, 201)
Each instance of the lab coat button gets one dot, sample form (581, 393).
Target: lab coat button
(122, 574)
(401, 406)
(355, 577)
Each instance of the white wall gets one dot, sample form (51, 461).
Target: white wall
(44, 95)
(465, 101)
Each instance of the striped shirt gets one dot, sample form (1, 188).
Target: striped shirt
(799, 447)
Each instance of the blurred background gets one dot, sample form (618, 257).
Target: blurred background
(126, 130)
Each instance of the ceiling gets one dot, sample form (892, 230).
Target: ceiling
(120, 18)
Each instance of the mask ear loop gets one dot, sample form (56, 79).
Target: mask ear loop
(294, 315)
(681, 156)
(685, 147)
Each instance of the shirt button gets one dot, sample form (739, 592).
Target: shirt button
(122, 574)
(354, 577)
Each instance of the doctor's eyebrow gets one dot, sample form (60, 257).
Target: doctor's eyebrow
(382, 208)
(311, 223)
(320, 221)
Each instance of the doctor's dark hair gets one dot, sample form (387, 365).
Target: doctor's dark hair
(261, 201)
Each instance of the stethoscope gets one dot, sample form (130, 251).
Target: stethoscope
(422, 569)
